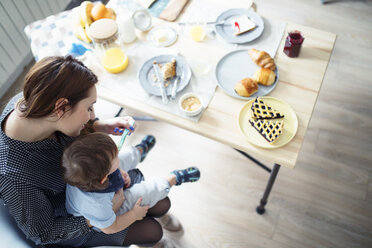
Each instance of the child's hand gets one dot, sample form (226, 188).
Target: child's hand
(140, 211)
(115, 124)
(126, 178)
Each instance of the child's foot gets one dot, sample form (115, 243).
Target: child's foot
(165, 243)
(170, 223)
(146, 145)
(191, 174)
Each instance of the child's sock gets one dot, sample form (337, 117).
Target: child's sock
(191, 174)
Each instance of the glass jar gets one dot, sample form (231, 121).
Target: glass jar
(293, 44)
(104, 34)
(142, 19)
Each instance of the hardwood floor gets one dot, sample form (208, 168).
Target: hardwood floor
(326, 201)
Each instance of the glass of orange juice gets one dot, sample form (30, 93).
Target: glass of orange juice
(198, 32)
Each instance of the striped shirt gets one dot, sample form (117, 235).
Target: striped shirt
(32, 187)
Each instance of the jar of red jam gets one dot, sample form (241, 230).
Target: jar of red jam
(293, 44)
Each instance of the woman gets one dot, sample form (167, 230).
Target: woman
(56, 106)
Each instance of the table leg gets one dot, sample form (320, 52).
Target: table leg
(274, 172)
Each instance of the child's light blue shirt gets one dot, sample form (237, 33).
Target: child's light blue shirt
(96, 207)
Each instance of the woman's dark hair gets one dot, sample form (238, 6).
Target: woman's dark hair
(87, 160)
(53, 78)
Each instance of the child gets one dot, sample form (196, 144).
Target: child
(90, 167)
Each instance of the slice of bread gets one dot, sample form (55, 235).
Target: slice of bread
(242, 24)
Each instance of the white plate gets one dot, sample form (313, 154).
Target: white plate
(168, 33)
(147, 75)
(235, 66)
(227, 31)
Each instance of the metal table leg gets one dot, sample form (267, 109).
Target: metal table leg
(274, 172)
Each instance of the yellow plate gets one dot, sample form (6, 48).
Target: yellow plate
(254, 137)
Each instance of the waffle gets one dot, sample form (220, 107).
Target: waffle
(260, 110)
(270, 130)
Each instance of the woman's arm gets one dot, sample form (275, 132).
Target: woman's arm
(34, 213)
(125, 220)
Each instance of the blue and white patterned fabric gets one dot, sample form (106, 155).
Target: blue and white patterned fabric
(53, 35)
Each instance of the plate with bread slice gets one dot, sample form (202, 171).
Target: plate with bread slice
(268, 122)
(246, 74)
(239, 25)
(171, 66)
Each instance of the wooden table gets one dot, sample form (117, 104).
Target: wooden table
(299, 85)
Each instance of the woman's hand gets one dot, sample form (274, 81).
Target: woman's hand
(126, 178)
(88, 223)
(118, 200)
(118, 123)
(140, 211)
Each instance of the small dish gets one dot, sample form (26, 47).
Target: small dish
(227, 31)
(190, 104)
(162, 36)
(146, 74)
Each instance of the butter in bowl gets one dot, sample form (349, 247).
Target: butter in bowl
(190, 104)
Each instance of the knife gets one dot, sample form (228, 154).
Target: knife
(175, 86)
(164, 97)
(201, 23)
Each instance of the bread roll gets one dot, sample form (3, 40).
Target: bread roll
(262, 59)
(246, 87)
(264, 76)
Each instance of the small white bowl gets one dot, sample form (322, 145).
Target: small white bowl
(191, 98)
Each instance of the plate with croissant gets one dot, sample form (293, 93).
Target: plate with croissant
(268, 122)
(239, 25)
(246, 74)
(171, 67)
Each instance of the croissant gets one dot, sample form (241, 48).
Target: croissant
(264, 76)
(262, 59)
(169, 69)
(246, 87)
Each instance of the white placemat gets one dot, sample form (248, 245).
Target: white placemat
(52, 36)
(127, 83)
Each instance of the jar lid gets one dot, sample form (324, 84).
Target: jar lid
(103, 29)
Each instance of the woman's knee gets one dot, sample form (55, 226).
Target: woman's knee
(160, 208)
(144, 232)
(155, 232)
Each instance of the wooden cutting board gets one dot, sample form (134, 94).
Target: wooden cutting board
(173, 9)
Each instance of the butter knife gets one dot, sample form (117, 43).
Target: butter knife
(202, 23)
(164, 97)
(175, 86)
